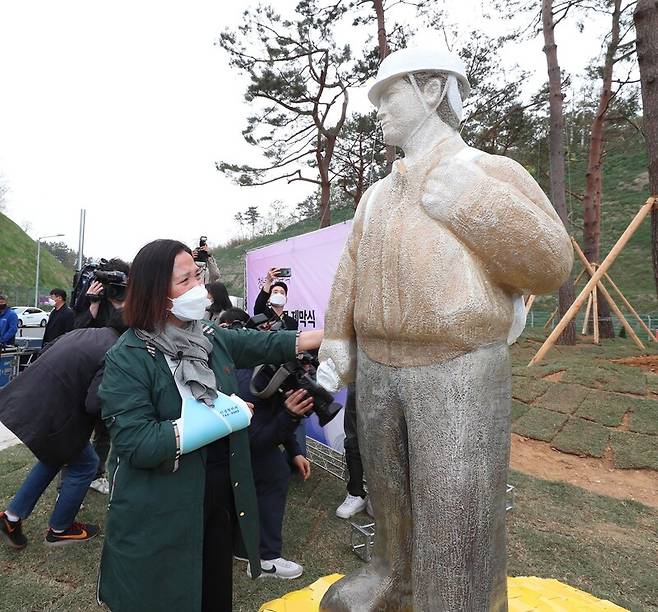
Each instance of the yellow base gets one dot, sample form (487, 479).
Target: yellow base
(526, 594)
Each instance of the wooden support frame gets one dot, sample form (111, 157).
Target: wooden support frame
(587, 311)
(594, 281)
(630, 308)
(613, 305)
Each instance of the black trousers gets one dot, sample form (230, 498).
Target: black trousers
(101, 445)
(272, 478)
(352, 454)
(219, 529)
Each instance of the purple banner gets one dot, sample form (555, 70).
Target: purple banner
(312, 259)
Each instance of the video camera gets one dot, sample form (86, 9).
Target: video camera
(114, 283)
(299, 373)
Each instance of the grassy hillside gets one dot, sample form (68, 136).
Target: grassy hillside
(231, 258)
(625, 190)
(18, 257)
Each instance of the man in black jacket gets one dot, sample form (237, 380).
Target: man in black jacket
(51, 407)
(272, 299)
(61, 317)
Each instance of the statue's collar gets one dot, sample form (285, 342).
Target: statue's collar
(447, 147)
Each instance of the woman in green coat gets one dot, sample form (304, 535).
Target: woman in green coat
(173, 514)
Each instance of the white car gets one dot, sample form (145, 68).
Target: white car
(31, 317)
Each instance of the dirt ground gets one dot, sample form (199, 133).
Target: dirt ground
(597, 475)
(648, 363)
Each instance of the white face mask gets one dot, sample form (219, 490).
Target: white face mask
(191, 306)
(277, 299)
(51, 302)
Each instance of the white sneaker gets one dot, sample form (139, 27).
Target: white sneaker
(278, 568)
(101, 485)
(352, 505)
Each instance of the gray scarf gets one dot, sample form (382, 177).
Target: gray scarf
(191, 348)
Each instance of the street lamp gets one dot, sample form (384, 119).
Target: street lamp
(36, 283)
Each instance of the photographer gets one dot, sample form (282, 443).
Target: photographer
(273, 424)
(94, 306)
(205, 260)
(53, 412)
(104, 295)
(272, 299)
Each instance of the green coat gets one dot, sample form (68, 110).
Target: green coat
(152, 555)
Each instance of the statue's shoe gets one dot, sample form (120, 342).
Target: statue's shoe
(368, 590)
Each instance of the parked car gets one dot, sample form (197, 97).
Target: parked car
(31, 317)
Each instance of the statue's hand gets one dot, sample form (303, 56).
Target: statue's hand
(446, 184)
(338, 364)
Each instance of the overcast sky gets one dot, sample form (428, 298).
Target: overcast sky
(123, 107)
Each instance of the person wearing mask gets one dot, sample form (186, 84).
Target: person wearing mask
(8, 323)
(272, 299)
(220, 301)
(94, 309)
(273, 425)
(175, 506)
(53, 413)
(61, 317)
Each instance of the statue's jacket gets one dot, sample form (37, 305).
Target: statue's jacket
(437, 252)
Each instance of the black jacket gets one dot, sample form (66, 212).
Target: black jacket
(261, 307)
(59, 323)
(83, 318)
(51, 406)
(271, 424)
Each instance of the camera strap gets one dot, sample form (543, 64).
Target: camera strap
(272, 387)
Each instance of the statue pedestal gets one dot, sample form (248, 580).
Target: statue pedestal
(525, 593)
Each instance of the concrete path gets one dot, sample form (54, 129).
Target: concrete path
(7, 438)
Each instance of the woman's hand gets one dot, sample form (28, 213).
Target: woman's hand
(298, 402)
(303, 466)
(310, 340)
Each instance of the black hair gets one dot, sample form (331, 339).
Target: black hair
(220, 299)
(147, 295)
(279, 284)
(118, 264)
(233, 314)
(58, 293)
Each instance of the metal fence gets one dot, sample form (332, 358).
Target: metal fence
(538, 318)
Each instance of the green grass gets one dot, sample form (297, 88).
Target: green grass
(580, 437)
(606, 408)
(528, 390)
(539, 424)
(563, 398)
(633, 450)
(595, 543)
(591, 395)
(18, 265)
(645, 417)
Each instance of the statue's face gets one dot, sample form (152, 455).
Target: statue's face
(400, 110)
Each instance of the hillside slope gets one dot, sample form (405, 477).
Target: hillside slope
(625, 190)
(18, 258)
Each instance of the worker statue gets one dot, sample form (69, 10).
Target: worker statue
(421, 310)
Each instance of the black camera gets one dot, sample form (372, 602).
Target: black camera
(298, 374)
(202, 255)
(114, 284)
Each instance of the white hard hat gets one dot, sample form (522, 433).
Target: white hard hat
(418, 59)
